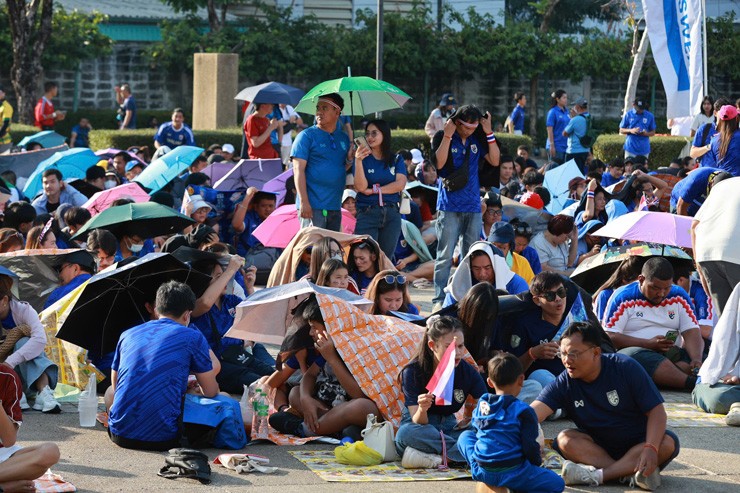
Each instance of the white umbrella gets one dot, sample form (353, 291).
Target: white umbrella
(556, 182)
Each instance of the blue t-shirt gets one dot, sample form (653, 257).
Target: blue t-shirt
(277, 114)
(129, 104)
(731, 161)
(325, 155)
(81, 137)
(62, 291)
(692, 189)
(558, 118)
(362, 281)
(608, 180)
(153, 361)
(467, 199)
(612, 409)
(467, 381)
(517, 118)
(379, 173)
(246, 240)
(527, 331)
(577, 128)
(703, 307)
(533, 258)
(311, 357)
(216, 322)
(708, 158)
(168, 136)
(638, 145)
(601, 302)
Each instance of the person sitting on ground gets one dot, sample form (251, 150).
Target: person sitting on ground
(614, 174)
(158, 356)
(104, 245)
(364, 262)
(253, 209)
(41, 237)
(502, 237)
(28, 359)
(503, 448)
(522, 237)
(19, 466)
(389, 293)
(628, 271)
(19, 216)
(423, 420)
(617, 410)
(588, 244)
(10, 240)
(334, 273)
(594, 205)
(644, 320)
(324, 249)
(555, 252)
(483, 262)
(703, 308)
(95, 177)
(74, 270)
(56, 192)
(494, 214)
(329, 399)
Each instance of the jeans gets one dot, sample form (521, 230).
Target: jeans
(381, 223)
(450, 227)
(524, 477)
(427, 438)
(31, 370)
(543, 377)
(234, 375)
(331, 220)
(715, 398)
(530, 391)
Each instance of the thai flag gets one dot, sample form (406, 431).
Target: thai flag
(441, 384)
(577, 313)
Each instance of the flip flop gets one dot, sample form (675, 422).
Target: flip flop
(102, 418)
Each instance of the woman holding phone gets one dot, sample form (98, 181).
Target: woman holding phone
(380, 176)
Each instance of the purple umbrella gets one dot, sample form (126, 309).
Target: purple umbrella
(277, 186)
(651, 227)
(250, 173)
(216, 171)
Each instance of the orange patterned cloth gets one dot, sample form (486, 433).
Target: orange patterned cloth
(52, 483)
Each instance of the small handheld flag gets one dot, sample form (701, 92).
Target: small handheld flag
(441, 384)
(577, 313)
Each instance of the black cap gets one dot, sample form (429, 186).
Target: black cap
(82, 258)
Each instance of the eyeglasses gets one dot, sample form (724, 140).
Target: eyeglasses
(495, 212)
(374, 133)
(335, 253)
(390, 279)
(573, 355)
(550, 295)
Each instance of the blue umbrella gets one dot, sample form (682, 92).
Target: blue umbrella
(47, 138)
(72, 163)
(168, 167)
(556, 182)
(271, 92)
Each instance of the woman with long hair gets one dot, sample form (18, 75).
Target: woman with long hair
(380, 177)
(41, 237)
(364, 262)
(334, 273)
(726, 144)
(626, 273)
(389, 293)
(557, 119)
(705, 116)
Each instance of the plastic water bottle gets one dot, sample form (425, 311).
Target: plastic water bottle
(88, 403)
(263, 409)
(255, 411)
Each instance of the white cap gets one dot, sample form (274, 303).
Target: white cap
(348, 192)
(416, 156)
(228, 148)
(197, 202)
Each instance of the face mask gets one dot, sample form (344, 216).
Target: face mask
(110, 184)
(338, 256)
(136, 247)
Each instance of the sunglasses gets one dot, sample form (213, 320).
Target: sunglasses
(523, 229)
(390, 279)
(551, 295)
(364, 246)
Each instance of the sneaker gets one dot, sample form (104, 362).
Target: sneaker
(287, 423)
(416, 459)
(573, 473)
(733, 416)
(24, 402)
(556, 415)
(648, 483)
(46, 403)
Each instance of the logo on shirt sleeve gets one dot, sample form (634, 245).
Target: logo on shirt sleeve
(484, 408)
(613, 397)
(515, 341)
(459, 396)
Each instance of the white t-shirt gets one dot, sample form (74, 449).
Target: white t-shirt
(700, 120)
(718, 232)
(288, 113)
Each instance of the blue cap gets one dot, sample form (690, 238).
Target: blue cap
(448, 100)
(501, 232)
(132, 164)
(586, 228)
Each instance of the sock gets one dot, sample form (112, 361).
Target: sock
(690, 382)
(600, 475)
(306, 432)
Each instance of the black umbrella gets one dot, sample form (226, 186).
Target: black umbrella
(112, 302)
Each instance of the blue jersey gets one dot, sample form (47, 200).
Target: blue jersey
(600, 303)
(129, 104)
(277, 114)
(638, 145)
(216, 322)
(692, 189)
(527, 331)
(325, 154)
(467, 381)
(153, 361)
(81, 136)
(731, 160)
(612, 408)
(246, 240)
(168, 136)
(608, 180)
(467, 199)
(707, 160)
(517, 118)
(380, 173)
(64, 290)
(703, 306)
(558, 118)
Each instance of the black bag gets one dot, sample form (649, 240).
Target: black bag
(186, 463)
(458, 178)
(587, 139)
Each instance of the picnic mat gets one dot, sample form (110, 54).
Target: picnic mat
(682, 415)
(324, 465)
(52, 483)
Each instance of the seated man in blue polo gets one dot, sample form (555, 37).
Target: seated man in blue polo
(690, 193)
(620, 420)
(653, 321)
(75, 269)
(638, 124)
(150, 372)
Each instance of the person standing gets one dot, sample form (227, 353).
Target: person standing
(321, 156)
(6, 113)
(44, 114)
(638, 124)
(174, 133)
(292, 121)
(725, 146)
(576, 131)
(127, 107)
(466, 140)
(557, 120)
(440, 114)
(258, 129)
(516, 120)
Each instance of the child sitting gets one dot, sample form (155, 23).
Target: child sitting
(389, 293)
(503, 448)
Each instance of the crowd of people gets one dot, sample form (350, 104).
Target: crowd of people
(450, 220)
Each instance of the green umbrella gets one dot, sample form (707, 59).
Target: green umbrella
(362, 96)
(145, 219)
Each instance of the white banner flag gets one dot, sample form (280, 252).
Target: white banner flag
(675, 31)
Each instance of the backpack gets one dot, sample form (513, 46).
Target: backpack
(587, 139)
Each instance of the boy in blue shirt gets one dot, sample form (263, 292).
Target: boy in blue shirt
(503, 448)
(638, 124)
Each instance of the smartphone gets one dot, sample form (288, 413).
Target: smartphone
(671, 335)
(361, 141)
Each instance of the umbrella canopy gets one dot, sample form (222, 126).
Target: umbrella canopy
(283, 224)
(277, 185)
(556, 181)
(165, 169)
(249, 173)
(23, 164)
(113, 301)
(47, 138)
(594, 271)
(216, 171)
(536, 218)
(147, 219)
(362, 96)
(652, 227)
(111, 152)
(103, 200)
(271, 92)
(72, 163)
(265, 315)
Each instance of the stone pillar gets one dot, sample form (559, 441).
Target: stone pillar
(215, 83)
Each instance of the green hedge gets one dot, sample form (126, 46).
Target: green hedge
(123, 139)
(408, 139)
(663, 149)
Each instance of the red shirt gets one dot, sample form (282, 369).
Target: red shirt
(257, 125)
(10, 393)
(43, 107)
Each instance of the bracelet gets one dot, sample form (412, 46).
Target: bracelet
(446, 137)
(650, 445)
(284, 406)
(531, 354)
(590, 194)
(490, 138)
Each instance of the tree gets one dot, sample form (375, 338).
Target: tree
(216, 9)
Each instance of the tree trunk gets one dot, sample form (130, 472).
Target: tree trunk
(213, 21)
(637, 61)
(26, 71)
(548, 15)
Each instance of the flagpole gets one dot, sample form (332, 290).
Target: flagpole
(704, 45)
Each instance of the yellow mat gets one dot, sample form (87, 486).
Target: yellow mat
(688, 415)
